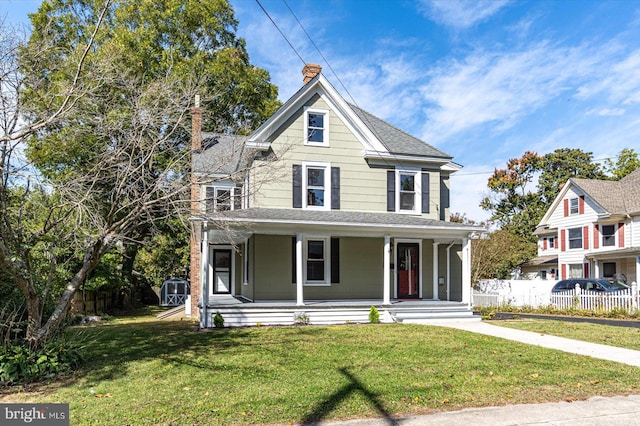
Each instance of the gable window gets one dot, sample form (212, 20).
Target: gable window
(575, 238)
(316, 123)
(222, 198)
(574, 206)
(608, 235)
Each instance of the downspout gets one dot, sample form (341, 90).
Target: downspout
(449, 270)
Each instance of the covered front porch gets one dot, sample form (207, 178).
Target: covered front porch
(333, 266)
(622, 264)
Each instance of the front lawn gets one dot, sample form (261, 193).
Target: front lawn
(152, 372)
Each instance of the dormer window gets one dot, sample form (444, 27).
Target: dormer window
(222, 198)
(316, 127)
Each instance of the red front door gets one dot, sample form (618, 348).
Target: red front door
(407, 269)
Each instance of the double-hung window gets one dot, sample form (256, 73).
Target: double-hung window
(608, 235)
(575, 238)
(408, 191)
(574, 206)
(552, 242)
(316, 127)
(317, 260)
(316, 185)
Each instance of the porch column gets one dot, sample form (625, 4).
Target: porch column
(637, 280)
(596, 268)
(386, 290)
(204, 276)
(435, 271)
(449, 270)
(466, 271)
(299, 274)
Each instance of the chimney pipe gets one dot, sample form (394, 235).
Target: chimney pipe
(196, 125)
(310, 71)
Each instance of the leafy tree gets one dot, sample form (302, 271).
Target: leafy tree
(104, 89)
(626, 162)
(498, 255)
(523, 191)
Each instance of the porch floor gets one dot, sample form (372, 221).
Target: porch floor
(228, 301)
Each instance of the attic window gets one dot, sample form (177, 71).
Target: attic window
(316, 126)
(575, 206)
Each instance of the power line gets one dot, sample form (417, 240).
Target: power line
(280, 31)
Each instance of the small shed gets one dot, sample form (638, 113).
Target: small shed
(174, 292)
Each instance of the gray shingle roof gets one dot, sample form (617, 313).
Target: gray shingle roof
(221, 154)
(616, 197)
(339, 217)
(395, 140)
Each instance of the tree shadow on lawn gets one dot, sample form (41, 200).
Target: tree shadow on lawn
(323, 408)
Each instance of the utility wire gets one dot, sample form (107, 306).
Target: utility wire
(280, 31)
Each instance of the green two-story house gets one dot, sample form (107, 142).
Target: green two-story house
(327, 210)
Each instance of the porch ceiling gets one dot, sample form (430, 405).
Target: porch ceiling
(290, 221)
(614, 254)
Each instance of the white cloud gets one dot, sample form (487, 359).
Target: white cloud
(606, 112)
(619, 82)
(461, 14)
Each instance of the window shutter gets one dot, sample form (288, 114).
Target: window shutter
(335, 260)
(297, 186)
(566, 207)
(445, 201)
(237, 198)
(294, 270)
(585, 237)
(335, 188)
(596, 236)
(581, 204)
(586, 270)
(425, 192)
(562, 240)
(563, 274)
(391, 190)
(621, 235)
(210, 199)
(544, 244)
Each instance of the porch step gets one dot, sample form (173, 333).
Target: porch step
(173, 313)
(251, 316)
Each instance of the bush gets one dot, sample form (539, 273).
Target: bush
(218, 321)
(374, 315)
(21, 364)
(301, 318)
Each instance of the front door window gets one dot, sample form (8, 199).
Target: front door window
(408, 273)
(221, 271)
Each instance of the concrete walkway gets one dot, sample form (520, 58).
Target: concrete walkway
(611, 353)
(596, 411)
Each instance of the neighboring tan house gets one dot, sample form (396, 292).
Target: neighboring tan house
(321, 213)
(592, 230)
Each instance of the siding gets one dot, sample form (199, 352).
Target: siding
(362, 188)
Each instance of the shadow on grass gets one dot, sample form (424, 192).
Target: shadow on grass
(325, 407)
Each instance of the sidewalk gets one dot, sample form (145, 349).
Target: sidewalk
(596, 411)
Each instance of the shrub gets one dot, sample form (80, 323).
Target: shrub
(218, 321)
(301, 318)
(21, 364)
(374, 315)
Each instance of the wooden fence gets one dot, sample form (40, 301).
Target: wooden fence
(627, 300)
(89, 302)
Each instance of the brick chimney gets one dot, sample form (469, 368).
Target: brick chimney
(309, 71)
(195, 237)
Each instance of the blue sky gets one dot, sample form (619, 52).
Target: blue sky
(483, 81)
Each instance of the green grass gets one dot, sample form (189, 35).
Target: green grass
(143, 372)
(624, 337)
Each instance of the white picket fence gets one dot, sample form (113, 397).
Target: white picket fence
(537, 293)
(627, 300)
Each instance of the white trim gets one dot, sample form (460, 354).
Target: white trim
(436, 272)
(326, 247)
(397, 241)
(299, 271)
(325, 128)
(224, 186)
(386, 271)
(245, 262)
(327, 184)
(417, 189)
